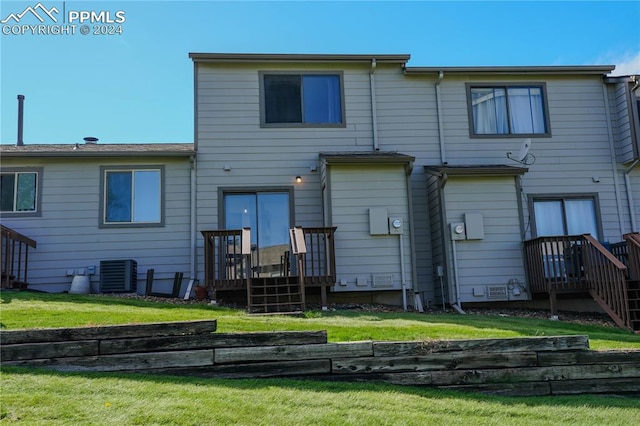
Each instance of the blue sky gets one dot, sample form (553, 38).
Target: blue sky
(138, 86)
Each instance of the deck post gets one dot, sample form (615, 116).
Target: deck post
(553, 302)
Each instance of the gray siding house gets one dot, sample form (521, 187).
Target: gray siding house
(450, 185)
(87, 203)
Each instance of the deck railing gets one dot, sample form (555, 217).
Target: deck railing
(578, 263)
(227, 259)
(554, 264)
(15, 258)
(633, 255)
(227, 266)
(320, 260)
(607, 281)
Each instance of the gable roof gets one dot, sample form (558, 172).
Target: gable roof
(99, 150)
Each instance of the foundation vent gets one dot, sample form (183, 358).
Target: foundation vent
(497, 292)
(382, 280)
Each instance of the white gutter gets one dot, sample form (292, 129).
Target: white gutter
(612, 151)
(443, 156)
(627, 182)
(374, 111)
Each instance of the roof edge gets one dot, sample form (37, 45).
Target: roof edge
(294, 57)
(476, 170)
(552, 69)
(103, 150)
(366, 158)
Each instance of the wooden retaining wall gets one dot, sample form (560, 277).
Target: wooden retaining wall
(518, 366)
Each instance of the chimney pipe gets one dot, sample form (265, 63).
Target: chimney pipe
(20, 119)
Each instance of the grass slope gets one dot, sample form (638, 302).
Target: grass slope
(39, 310)
(39, 397)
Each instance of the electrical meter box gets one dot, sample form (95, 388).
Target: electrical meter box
(396, 225)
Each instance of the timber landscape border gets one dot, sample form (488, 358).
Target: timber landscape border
(555, 365)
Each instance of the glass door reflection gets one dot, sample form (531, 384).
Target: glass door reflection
(267, 214)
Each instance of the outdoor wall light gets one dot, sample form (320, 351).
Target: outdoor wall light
(299, 179)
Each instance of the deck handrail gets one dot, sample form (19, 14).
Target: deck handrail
(633, 254)
(227, 265)
(578, 263)
(15, 262)
(320, 260)
(553, 265)
(607, 282)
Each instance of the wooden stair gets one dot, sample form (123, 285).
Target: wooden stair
(275, 295)
(633, 294)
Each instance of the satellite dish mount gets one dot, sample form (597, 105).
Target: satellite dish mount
(523, 157)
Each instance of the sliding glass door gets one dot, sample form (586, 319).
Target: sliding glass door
(268, 216)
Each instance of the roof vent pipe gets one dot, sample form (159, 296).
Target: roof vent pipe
(90, 140)
(20, 142)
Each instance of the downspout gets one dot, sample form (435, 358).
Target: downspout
(193, 230)
(417, 302)
(612, 151)
(456, 305)
(443, 156)
(374, 111)
(627, 182)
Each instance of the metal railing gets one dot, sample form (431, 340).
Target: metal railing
(15, 258)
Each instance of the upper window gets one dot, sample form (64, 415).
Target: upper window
(302, 99)
(19, 191)
(132, 196)
(508, 110)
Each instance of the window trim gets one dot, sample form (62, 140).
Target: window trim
(532, 198)
(545, 104)
(264, 124)
(102, 223)
(39, 171)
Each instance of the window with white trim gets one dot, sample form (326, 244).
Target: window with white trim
(302, 99)
(19, 191)
(132, 196)
(508, 110)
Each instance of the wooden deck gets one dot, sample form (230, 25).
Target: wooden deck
(310, 263)
(581, 264)
(15, 258)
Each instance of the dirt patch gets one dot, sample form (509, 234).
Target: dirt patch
(584, 318)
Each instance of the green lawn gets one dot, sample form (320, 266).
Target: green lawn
(36, 397)
(40, 310)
